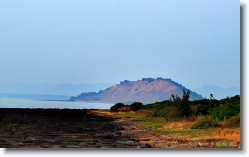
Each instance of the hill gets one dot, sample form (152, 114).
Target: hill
(147, 90)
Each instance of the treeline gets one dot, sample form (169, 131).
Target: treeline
(208, 112)
(177, 107)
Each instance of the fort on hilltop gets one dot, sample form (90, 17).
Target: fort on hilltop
(156, 78)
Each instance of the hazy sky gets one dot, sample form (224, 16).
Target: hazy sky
(193, 42)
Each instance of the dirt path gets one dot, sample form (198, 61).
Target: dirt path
(147, 137)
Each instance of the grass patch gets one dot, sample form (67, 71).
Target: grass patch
(190, 133)
(14, 125)
(141, 118)
(134, 116)
(154, 123)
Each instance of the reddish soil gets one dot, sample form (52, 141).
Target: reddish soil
(226, 136)
(177, 124)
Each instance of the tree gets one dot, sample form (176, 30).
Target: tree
(136, 106)
(182, 105)
(211, 97)
(115, 107)
(184, 108)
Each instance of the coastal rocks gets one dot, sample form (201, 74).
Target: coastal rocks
(119, 133)
(54, 128)
(120, 128)
(48, 128)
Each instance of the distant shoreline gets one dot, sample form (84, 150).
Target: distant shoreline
(51, 103)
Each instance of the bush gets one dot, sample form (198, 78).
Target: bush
(204, 122)
(227, 110)
(232, 122)
(136, 106)
(115, 107)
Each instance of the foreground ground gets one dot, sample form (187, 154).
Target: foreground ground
(54, 128)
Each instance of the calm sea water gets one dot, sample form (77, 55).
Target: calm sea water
(26, 103)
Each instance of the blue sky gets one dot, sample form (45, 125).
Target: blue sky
(194, 42)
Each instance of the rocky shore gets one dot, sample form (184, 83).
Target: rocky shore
(76, 128)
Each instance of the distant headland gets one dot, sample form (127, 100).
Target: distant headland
(147, 90)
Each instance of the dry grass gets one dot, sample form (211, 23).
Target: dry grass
(218, 137)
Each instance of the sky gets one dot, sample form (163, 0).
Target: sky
(193, 42)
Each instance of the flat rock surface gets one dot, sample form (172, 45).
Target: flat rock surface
(75, 128)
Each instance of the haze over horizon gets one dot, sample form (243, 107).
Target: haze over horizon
(195, 43)
(45, 90)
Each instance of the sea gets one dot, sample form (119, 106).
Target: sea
(50, 104)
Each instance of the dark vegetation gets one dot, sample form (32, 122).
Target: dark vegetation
(116, 107)
(206, 112)
(136, 106)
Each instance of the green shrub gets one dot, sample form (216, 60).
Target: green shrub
(136, 106)
(115, 107)
(227, 110)
(204, 122)
(232, 122)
